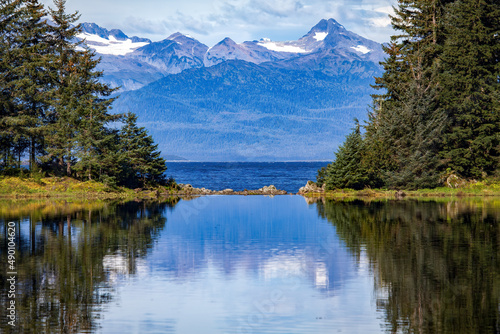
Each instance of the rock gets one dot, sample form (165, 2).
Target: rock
(268, 189)
(454, 181)
(187, 189)
(400, 194)
(311, 187)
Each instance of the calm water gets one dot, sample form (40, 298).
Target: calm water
(289, 176)
(234, 264)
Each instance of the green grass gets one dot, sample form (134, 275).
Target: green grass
(16, 187)
(470, 189)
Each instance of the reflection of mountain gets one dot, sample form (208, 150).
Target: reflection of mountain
(437, 264)
(68, 257)
(275, 245)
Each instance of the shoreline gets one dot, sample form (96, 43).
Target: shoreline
(67, 188)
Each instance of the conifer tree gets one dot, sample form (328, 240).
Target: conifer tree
(93, 137)
(414, 134)
(144, 165)
(398, 120)
(9, 20)
(347, 170)
(30, 81)
(471, 87)
(65, 98)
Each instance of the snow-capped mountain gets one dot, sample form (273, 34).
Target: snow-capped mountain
(172, 55)
(110, 42)
(132, 62)
(257, 100)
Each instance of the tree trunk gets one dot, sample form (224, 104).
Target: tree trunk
(32, 154)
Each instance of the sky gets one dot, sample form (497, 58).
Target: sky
(241, 20)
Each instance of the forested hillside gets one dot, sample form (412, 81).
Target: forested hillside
(241, 111)
(438, 111)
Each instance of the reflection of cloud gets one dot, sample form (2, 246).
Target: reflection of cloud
(284, 266)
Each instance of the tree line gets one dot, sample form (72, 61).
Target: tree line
(55, 112)
(437, 111)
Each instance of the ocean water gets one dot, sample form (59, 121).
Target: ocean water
(289, 176)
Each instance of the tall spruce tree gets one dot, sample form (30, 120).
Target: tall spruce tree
(30, 80)
(93, 137)
(64, 119)
(414, 133)
(9, 139)
(470, 87)
(398, 120)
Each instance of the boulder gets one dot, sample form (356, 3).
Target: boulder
(311, 187)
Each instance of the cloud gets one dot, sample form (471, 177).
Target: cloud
(211, 21)
(138, 25)
(380, 22)
(190, 23)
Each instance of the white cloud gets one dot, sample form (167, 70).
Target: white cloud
(386, 10)
(380, 22)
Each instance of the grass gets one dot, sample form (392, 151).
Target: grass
(16, 187)
(471, 189)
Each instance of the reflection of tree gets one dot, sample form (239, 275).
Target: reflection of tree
(437, 265)
(63, 281)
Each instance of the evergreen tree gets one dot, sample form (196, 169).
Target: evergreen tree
(93, 137)
(9, 20)
(414, 135)
(143, 164)
(470, 81)
(66, 94)
(399, 149)
(30, 79)
(347, 170)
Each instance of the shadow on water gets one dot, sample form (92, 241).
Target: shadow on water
(67, 255)
(436, 264)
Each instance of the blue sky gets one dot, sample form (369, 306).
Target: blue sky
(241, 20)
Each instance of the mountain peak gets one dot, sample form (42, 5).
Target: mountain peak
(227, 41)
(178, 36)
(328, 26)
(94, 29)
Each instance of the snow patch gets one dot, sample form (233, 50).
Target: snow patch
(282, 47)
(110, 46)
(361, 48)
(319, 36)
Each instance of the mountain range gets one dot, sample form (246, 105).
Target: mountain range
(256, 100)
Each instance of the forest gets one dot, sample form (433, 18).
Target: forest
(436, 113)
(54, 111)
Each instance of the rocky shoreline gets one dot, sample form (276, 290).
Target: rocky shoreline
(187, 189)
(310, 187)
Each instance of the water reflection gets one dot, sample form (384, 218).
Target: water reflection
(234, 264)
(68, 254)
(437, 265)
